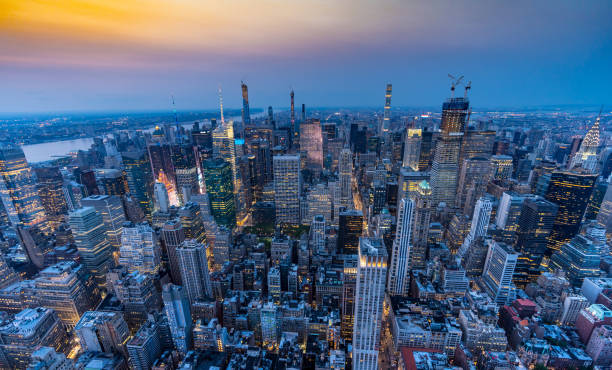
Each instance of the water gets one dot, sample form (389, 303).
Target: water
(47, 151)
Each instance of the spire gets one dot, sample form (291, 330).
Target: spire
(178, 127)
(591, 139)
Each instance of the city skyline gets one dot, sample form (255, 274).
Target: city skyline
(91, 55)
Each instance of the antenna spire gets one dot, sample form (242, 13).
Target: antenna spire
(176, 122)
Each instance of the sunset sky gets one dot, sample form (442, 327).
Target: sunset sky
(79, 55)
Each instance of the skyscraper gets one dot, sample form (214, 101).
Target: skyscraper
(412, 149)
(287, 184)
(162, 202)
(173, 235)
(178, 312)
(194, 270)
(571, 192)
(502, 167)
(311, 144)
(18, 189)
(50, 190)
(345, 173)
(220, 190)
(480, 223)
(246, 113)
(508, 214)
(586, 157)
(386, 123)
(90, 238)
(535, 223)
(579, 258)
(140, 249)
(113, 215)
(445, 167)
(350, 228)
(400, 258)
(139, 178)
(497, 275)
(369, 297)
(420, 226)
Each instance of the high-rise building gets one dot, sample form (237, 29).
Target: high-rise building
(246, 113)
(508, 213)
(51, 193)
(571, 192)
(350, 228)
(29, 330)
(420, 227)
(586, 157)
(599, 346)
(220, 190)
(349, 282)
(224, 148)
(480, 223)
(102, 331)
(191, 219)
(311, 144)
(445, 167)
(398, 279)
(345, 174)
(535, 223)
(90, 238)
(144, 347)
(473, 179)
(173, 235)
(318, 202)
(386, 123)
(139, 178)
(317, 234)
(428, 143)
(477, 144)
(137, 293)
(369, 298)
(68, 289)
(162, 201)
(140, 249)
(269, 325)
(498, 271)
(195, 274)
(412, 149)
(186, 171)
(579, 258)
(274, 283)
(113, 215)
(502, 167)
(287, 185)
(178, 312)
(18, 189)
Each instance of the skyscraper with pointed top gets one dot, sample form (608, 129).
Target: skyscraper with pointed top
(586, 157)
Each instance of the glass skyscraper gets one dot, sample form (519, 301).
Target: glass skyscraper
(220, 189)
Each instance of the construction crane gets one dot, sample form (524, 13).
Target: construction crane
(455, 81)
(467, 87)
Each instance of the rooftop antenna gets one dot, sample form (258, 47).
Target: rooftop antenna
(455, 81)
(178, 127)
(220, 92)
(468, 86)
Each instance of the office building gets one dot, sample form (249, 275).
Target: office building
(311, 144)
(345, 174)
(269, 325)
(350, 228)
(508, 214)
(534, 226)
(480, 223)
(50, 184)
(369, 297)
(139, 178)
(140, 250)
(571, 192)
(68, 289)
(502, 167)
(113, 215)
(195, 274)
(287, 185)
(445, 167)
(90, 238)
(498, 271)
(178, 312)
(173, 235)
(398, 279)
(220, 190)
(144, 347)
(579, 258)
(27, 331)
(474, 176)
(18, 189)
(137, 293)
(102, 331)
(191, 219)
(412, 149)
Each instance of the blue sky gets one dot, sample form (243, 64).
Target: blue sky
(131, 55)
